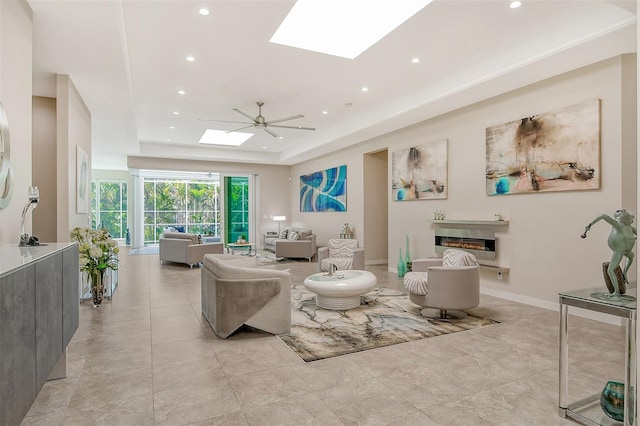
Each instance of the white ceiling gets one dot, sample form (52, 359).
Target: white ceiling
(127, 59)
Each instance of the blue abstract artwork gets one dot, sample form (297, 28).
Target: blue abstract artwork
(324, 191)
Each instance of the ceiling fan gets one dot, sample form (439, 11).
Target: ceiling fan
(260, 121)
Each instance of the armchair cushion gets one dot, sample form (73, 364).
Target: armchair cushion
(345, 254)
(342, 248)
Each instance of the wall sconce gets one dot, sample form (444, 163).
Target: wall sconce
(279, 219)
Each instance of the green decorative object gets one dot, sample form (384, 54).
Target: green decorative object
(407, 257)
(401, 266)
(621, 241)
(612, 400)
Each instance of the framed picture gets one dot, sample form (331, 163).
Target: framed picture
(553, 151)
(82, 181)
(420, 172)
(324, 191)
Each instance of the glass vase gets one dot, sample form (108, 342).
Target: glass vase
(407, 257)
(401, 265)
(97, 287)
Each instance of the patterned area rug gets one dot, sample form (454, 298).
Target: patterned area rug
(386, 317)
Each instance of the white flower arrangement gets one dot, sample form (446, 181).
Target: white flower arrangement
(97, 250)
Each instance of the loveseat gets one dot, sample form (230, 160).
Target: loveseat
(293, 243)
(236, 292)
(186, 248)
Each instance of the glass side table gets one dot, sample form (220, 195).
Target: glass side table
(587, 411)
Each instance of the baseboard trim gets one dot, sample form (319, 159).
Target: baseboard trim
(545, 304)
(376, 262)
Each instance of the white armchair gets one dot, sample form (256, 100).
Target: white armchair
(345, 254)
(448, 284)
(185, 248)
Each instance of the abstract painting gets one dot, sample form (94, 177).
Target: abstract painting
(553, 151)
(420, 172)
(324, 191)
(82, 181)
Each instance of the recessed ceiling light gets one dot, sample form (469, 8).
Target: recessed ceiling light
(203, 11)
(264, 147)
(515, 4)
(280, 137)
(168, 140)
(325, 112)
(190, 58)
(181, 92)
(172, 127)
(222, 137)
(415, 60)
(354, 25)
(176, 113)
(365, 89)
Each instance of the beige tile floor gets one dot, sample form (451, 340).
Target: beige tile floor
(149, 358)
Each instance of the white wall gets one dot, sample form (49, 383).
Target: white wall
(73, 129)
(44, 168)
(16, 43)
(542, 245)
(376, 217)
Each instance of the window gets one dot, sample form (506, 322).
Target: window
(188, 205)
(109, 207)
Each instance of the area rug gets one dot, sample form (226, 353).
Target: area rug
(386, 317)
(145, 250)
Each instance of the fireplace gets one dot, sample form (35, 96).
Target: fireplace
(481, 243)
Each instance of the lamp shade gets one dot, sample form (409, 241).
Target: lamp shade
(279, 218)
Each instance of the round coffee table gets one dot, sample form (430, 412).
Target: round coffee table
(342, 290)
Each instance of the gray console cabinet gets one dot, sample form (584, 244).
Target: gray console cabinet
(39, 293)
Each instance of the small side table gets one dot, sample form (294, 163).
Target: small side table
(247, 247)
(587, 411)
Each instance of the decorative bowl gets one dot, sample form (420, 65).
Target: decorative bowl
(612, 400)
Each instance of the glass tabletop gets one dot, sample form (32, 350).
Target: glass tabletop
(599, 299)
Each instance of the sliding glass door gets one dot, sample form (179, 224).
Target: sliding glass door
(238, 207)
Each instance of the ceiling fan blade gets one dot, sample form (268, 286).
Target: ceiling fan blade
(294, 127)
(245, 114)
(241, 128)
(280, 120)
(271, 132)
(226, 121)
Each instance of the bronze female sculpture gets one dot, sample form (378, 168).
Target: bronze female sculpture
(621, 241)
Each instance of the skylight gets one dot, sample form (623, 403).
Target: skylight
(344, 28)
(221, 137)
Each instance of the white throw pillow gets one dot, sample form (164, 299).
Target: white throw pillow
(452, 257)
(416, 283)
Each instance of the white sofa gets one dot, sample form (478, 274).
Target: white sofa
(185, 248)
(285, 246)
(236, 292)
